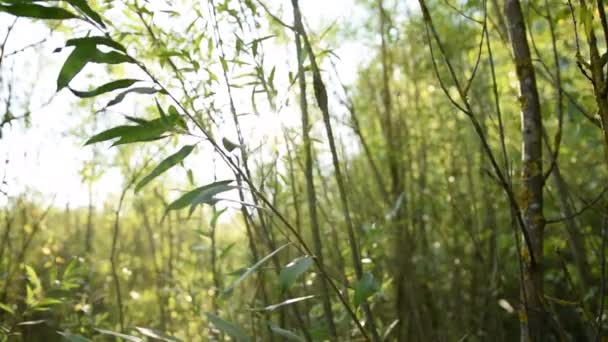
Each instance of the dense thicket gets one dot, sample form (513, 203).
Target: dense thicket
(452, 190)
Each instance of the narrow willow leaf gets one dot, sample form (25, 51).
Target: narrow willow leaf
(33, 278)
(226, 250)
(37, 11)
(109, 134)
(7, 308)
(86, 9)
(159, 335)
(207, 196)
(175, 118)
(111, 57)
(141, 134)
(216, 216)
(81, 55)
(165, 165)
(36, 322)
(119, 335)
(365, 288)
(108, 87)
(227, 327)
(288, 335)
(96, 40)
(139, 90)
(229, 145)
(189, 197)
(290, 273)
(254, 268)
(72, 337)
(286, 302)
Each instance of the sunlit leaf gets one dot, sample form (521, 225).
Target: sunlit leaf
(7, 308)
(286, 302)
(141, 134)
(86, 9)
(139, 90)
(227, 327)
(207, 196)
(75, 62)
(290, 273)
(110, 57)
(155, 334)
(189, 197)
(37, 11)
(36, 322)
(165, 165)
(119, 335)
(229, 145)
(32, 277)
(109, 134)
(108, 87)
(96, 40)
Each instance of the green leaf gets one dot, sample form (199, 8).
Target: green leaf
(216, 216)
(109, 134)
(286, 302)
(254, 268)
(48, 302)
(165, 165)
(37, 11)
(141, 134)
(290, 336)
(140, 90)
(36, 322)
(189, 197)
(291, 272)
(229, 145)
(75, 62)
(365, 288)
(111, 57)
(227, 327)
(108, 87)
(7, 308)
(119, 335)
(96, 40)
(86, 9)
(32, 277)
(225, 251)
(158, 335)
(73, 337)
(128, 134)
(207, 196)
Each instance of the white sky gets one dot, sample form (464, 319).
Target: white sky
(45, 158)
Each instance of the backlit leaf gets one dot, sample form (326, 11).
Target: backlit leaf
(37, 11)
(158, 335)
(139, 90)
(165, 165)
(96, 40)
(119, 335)
(75, 62)
(189, 197)
(86, 9)
(108, 87)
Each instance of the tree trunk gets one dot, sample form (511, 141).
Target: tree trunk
(532, 316)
